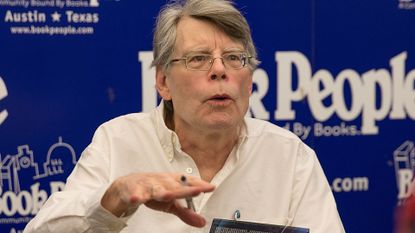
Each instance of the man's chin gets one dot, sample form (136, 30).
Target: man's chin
(221, 123)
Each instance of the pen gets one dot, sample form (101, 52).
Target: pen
(189, 200)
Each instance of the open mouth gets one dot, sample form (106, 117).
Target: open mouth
(220, 100)
(219, 97)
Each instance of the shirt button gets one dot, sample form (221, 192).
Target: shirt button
(189, 170)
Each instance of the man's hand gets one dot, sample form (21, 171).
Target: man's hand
(158, 191)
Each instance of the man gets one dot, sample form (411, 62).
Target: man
(139, 168)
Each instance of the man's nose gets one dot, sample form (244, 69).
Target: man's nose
(218, 69)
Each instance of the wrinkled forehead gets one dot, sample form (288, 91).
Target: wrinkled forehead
(193, 35)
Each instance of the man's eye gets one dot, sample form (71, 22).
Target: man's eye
(198, 58)
(233, 57)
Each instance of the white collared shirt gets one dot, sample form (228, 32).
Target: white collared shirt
(269, 177)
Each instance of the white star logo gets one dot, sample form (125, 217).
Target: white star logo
(56, 17)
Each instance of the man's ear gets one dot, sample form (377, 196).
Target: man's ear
(161, 83)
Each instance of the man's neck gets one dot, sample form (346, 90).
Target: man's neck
(209, 150)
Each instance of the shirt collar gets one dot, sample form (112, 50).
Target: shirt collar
(242, 137)
(168, 138)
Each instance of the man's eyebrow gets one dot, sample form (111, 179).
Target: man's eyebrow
(203, 50)
(233, 49)
(209, 51)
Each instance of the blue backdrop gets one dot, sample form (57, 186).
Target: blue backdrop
(340, 74)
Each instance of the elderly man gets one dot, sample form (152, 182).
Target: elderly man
(196, 146)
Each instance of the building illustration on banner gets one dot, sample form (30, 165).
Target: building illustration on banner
(404, 162)
(59, 155)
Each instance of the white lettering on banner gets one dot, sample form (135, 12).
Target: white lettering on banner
(350, 184)
(24, 17)
(405, 177)
(396, 95)
(14, 231)
(321, 130)
(73, 17)
(3, 94)
(256, 107)
(25, 202)
(42, 3)
(60, 3)
(300, 129)
(58, 22)
(16, 3)
(335, 130)
(79, 3)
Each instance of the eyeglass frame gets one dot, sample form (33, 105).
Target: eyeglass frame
(211, 60)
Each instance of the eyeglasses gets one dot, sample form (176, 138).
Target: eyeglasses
(203, 62)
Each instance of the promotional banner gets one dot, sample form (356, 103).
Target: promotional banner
(339, 74)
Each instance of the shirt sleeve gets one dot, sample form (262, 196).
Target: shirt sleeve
(312, 204)
(78, 207)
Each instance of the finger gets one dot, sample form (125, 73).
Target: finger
(192, 191)
(162, 194)
(173, 189)
(141, 194)
(191, 181)
(187, 216)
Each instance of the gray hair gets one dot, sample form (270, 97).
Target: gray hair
(221, 13)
